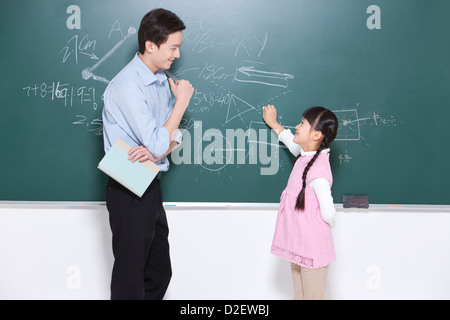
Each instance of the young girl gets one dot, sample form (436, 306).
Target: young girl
(306, 213)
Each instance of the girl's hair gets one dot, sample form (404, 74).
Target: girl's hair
(325, 121)
(156, 26)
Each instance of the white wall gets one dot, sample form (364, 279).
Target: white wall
(64, 252)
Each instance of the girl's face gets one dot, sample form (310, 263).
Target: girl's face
(306, 136)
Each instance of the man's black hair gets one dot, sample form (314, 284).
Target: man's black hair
(156, 26)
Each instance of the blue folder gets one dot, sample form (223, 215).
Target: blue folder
(135, 176)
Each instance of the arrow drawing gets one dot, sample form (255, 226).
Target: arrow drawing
(250, 74)
(90, 55)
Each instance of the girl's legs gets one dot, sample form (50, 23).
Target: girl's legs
(309, 284)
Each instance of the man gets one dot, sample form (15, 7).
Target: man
(138, 109)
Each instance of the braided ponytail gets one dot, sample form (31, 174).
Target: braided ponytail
(323, 120)
(300, 205)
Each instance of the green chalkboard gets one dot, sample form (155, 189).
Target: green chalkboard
(383, 66)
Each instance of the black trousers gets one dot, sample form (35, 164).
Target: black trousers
(142, 268)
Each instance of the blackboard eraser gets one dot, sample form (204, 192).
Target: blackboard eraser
(351, 201)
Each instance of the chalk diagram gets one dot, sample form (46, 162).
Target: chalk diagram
(236, 107)
(88, 73)
(76, 46)
(350, 127)
(249, 72)
(252, 75)
(211, 153)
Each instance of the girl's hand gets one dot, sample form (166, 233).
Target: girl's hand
(140, 153)
(270, 115)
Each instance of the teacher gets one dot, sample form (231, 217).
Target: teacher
(139, 110)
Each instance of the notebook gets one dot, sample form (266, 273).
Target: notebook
(135, 176)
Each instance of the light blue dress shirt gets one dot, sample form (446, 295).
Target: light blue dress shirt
(137, 105)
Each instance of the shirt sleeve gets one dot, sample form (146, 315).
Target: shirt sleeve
(177, 137)
(287, 138)
(132, 104)
(322, 189)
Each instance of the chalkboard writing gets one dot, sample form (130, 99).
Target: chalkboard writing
(382, 66)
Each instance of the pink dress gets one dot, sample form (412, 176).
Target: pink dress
(303, 237)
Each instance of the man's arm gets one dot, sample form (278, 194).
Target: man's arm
(172, 146)
(183, 92)
(141, 153)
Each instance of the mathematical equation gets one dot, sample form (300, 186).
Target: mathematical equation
(70, 96)
(63, 92)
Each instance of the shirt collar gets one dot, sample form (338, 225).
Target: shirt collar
(147, 76)
(310, 153)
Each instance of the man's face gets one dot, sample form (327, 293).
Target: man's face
(163, 57)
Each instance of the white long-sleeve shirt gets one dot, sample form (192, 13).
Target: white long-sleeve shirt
(321, 186)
